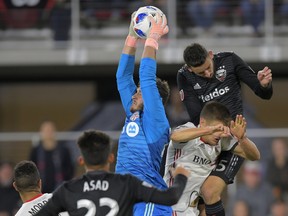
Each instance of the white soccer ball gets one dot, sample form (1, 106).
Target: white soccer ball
(142, 24)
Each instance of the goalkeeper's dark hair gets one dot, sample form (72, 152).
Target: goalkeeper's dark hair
(26, 176)
(195, 55)
(215, 111)
(95, 147)
(164, 90)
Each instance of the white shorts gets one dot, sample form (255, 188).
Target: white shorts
(191, 211)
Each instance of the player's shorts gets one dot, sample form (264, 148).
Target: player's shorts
(188, 212)
(151, 209)
(227, 166)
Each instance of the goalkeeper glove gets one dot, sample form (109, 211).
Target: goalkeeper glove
(132, 38)
(159, 28)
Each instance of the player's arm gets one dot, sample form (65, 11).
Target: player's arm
(245, 148)
(260, 83)
(167, 197)
(189, 132)
(190, 99)
(54, 205)
(124, 75)
(154, 113)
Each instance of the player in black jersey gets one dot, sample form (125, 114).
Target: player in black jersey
(100, 192)
(206, 77)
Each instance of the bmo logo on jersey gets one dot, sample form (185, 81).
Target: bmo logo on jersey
(216, 93)
(200, 160)
(132, 129)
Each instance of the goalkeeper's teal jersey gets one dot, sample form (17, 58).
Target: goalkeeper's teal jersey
(145, 132)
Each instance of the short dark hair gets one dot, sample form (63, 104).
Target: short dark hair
(95, 147)
(215, 111)
(164, 90)
(195, 55)
(26, 176)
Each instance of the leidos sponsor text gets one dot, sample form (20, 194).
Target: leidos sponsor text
(214, 94)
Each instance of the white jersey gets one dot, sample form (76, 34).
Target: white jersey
(31, 207)
(200, 159)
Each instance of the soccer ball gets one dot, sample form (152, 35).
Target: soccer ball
(141, 21)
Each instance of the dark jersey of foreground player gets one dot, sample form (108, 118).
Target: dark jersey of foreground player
(102, 193)
(224, 86)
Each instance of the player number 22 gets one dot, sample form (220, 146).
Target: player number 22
(104, 201)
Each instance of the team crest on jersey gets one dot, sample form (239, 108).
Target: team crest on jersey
(221, 73)
(132, 129)
(134, 116)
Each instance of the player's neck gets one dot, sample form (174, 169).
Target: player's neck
(28, 196)
(105, 167)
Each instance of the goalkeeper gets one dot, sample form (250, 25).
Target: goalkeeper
(146, 128)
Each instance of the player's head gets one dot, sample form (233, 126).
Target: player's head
(26, 177)
(199, 60)
(95, 148)
(212, 114)
(164, 91)
(215, 112)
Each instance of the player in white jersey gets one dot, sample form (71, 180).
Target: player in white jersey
(30, 207)
(28, 183)
(197, 148)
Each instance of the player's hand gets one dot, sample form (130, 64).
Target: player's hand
(159, 27)
(265, 76)
(131, 31)
(179, 170)
(238, 127)
(225, 131)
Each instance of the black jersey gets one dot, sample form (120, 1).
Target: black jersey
(101, 193)
(224, 86)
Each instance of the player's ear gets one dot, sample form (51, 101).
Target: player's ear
(14, 185)
(202, 122)
(81, 161)
(211, 55)
(40, 184)
(111, 158)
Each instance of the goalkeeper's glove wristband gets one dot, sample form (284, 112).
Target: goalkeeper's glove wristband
(131, 41)
(152, 43)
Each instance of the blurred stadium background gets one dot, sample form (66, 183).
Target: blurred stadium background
(58, 61)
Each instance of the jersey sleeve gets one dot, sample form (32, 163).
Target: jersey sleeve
(188, 96)
(228, 143)
(247, 75)
(125, 82)
(169, 197)
(154, 116)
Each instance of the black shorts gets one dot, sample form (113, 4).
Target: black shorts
(227, 166)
